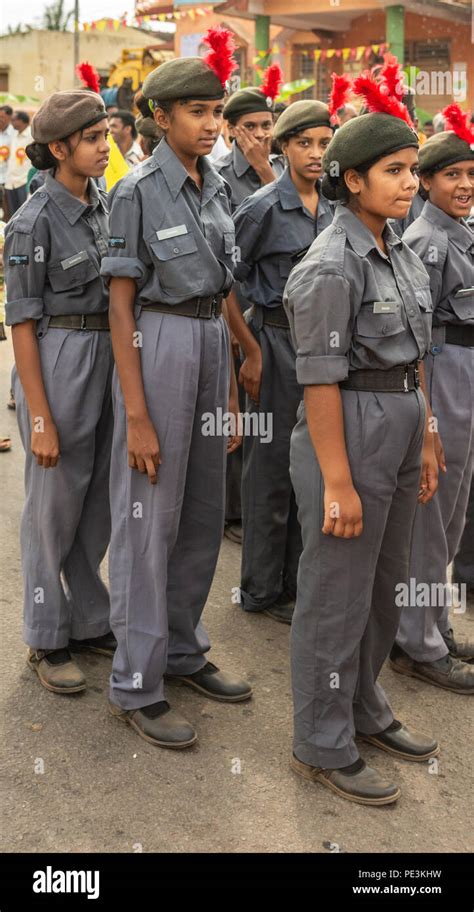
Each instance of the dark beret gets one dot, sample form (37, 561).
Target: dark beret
(146, 126)
(184, 77)
(247, 101)
(301, 115)
(65, 112)
(443, 149)
(363, 139)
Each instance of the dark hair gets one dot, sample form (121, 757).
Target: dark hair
(428, 123)
(40, 156)
(127, 119)
(22, 115)
(279, 107)
(7, 110)
(142, 104)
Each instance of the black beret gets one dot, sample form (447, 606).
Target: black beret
(301, 115)
(443, 149)
(184, 77)
(65, 112)
(361, 140)
(247, 101)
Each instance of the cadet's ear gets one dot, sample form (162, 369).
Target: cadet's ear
(162, 119)
(58, 149)
(353, 181)
(426, 182)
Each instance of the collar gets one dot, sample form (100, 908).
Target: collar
(239, 162)
(361, 238)
(290, 198)
(69, 205)
(459, 232)
(175, 173)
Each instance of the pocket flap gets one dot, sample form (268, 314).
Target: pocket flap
(170, 248)
(75, 276)
(372, 324)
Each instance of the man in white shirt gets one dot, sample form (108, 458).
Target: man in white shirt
(6, 133)
(18, 164)
(123, 129)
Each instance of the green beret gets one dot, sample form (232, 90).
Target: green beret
(362, 140)
(301, 115)
(247, 101)
(183, 77)
(444, 149)
(146, 126)
(65, 112)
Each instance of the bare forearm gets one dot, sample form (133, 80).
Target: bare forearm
(243, 334)
(126, 346)
(324, 415)
(28, 365)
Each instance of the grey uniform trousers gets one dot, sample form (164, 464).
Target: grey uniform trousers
(345, 620)
(166, 538)
(271, 533)
(463, 567)
(440, 523)
(65, 526)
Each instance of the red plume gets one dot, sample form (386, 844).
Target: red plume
(88, 76)
(377, 101)
(459, 122)
(219, 58)
(272, 80)
(340, 94)
(392, 78)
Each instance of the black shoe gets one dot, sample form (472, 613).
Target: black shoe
(447, 673)
(233, 531)
(397, 740)
(103, 645)
(219, 685)
(158, 724)
(357, 782)
(459, 649)
(282, 610)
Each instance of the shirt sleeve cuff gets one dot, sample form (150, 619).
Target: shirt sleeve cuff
(312, 370)
(123, 268)
(23, 309)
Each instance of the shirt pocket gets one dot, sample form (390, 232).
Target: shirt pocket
(178, 265)
(378, 325)
(72, 279)
(462, 303)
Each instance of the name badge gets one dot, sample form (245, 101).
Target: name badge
(116, 242)
(19, 259)
(385, 307)
(73, 260)
(464, 292)
(171, 232)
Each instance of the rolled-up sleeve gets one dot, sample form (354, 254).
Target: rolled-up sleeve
(320, 315)
(25, 272)
(127, 253)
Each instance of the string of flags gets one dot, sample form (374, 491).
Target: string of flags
(361, 52)
(102, 25)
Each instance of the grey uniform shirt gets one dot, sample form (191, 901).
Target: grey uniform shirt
(175, 240)
(446, 247)
(351, 307)
(271, 226)
(241, 177)
(53, 248)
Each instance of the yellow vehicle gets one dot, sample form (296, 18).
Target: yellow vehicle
(128, 75)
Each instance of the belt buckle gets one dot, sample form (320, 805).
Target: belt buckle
(214, 306)
(83, 321)
(405, 380)
(417, 377)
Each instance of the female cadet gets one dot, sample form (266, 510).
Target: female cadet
(248, 166)
(170, 264)
(359, 310)
(426, 647)
(273, 224)
(57, 305)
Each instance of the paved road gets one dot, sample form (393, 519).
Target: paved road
(103, 788)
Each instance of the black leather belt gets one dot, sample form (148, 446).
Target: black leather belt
(458, 334)
(401, 379)
(80, 321)
(275, 316)
(203, 308)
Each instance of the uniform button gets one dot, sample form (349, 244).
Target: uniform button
(42, 195)
(175, 249)
(338, 230)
